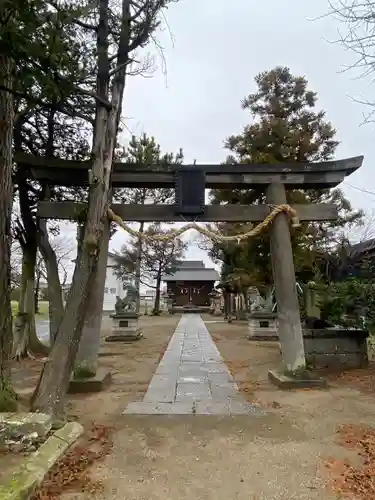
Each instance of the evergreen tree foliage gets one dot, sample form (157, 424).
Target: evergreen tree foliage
(145, 151)
(286, 127)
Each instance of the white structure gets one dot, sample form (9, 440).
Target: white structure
(148, 295)
(113, 285)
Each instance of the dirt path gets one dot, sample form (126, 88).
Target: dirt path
(279, 456)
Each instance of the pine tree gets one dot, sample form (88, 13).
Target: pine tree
(145, 151)
(155, 257)
(286, 127)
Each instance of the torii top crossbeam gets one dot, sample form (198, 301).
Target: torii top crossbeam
(296, 175)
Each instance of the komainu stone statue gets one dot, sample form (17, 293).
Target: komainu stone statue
(125, 320)
(131, 298)
(129, 302)
(119, 306)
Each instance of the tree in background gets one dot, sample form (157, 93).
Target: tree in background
(64, 249)
(358, 36)
(50, 59)
(145, 151)
(286, 127)
(157, 258)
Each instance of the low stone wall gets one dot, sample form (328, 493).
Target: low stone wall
(336, 348)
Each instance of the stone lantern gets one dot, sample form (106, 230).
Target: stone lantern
(212, 296)
(170, 302)
(262, 322)
(216, 303)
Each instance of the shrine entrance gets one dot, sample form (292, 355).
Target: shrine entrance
(188, 295)
(190, 183)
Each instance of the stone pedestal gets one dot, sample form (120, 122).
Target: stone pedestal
(125, 327)
(263, 326)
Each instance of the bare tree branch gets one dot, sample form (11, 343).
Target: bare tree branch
(358, 36)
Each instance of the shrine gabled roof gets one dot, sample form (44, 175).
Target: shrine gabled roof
(194, 274)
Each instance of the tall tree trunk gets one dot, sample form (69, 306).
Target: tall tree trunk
(55, 296)
(26, 342)
(54, 381)
(25, 338)
(226, 307)
(36, 292)
(157, 295)
(246, 300)
(7, 395)
(138, 264)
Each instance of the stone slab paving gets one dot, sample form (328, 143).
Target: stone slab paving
(192, 378)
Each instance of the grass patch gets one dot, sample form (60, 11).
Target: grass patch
(43, 309)
(8, 398)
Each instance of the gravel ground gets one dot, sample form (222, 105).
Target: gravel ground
(279, 456)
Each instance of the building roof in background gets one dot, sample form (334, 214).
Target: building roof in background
(191, 264)
(362, 247)
(111, 255)
(193, 275)
(192, 270)
(117, 258)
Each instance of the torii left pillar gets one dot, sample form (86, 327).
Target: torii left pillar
(87, 377)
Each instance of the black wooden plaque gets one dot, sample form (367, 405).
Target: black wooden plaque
(189, 191)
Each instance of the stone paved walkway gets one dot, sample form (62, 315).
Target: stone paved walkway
(192, 378)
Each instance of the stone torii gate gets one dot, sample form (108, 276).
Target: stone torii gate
(189, 183)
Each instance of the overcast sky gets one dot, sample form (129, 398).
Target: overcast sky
(211, 62)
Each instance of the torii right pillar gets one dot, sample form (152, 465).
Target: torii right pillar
(289, 320)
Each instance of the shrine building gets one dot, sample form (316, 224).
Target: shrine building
(191, 283)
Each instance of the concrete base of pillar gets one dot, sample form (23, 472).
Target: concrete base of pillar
(97, 383)
(303, 380)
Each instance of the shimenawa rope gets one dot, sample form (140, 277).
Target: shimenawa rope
(214, 235)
